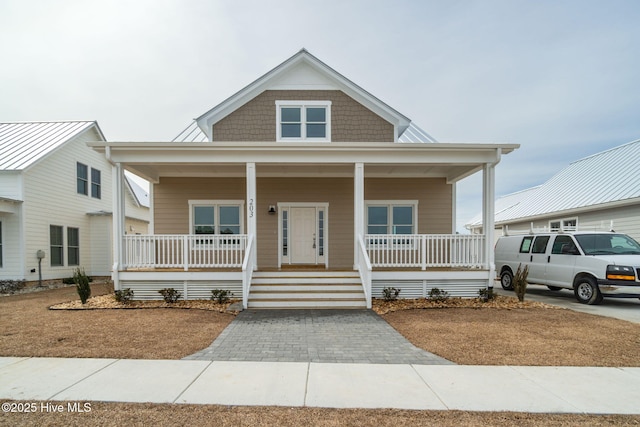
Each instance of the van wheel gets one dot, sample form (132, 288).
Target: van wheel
(506, 280)
(554, 288)
(587, 292)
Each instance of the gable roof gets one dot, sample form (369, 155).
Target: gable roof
(24, 143)
(596, 181)
(303, 57)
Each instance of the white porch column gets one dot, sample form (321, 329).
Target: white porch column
(252, 224)
(358, 208)
(118, 222)
(488, 216)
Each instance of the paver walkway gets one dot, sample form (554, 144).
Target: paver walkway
(322, 336)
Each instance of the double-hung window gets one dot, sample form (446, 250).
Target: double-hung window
(96, 191)
(82, 180)
(303, 121)
(56, 242)
(73, 246)
(213, 217)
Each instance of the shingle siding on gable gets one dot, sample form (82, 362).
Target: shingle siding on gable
(350, 120)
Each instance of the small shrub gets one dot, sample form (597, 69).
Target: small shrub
(170, 295)
(221, 295)
(486, 294)
(82, 284)
(11, 286)
(390, 294)
(436, 294)
(520, 282)
(124, 295)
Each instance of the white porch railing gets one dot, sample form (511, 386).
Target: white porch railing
(184, 251)
(426, 250)
(247, 271)
(364, 268)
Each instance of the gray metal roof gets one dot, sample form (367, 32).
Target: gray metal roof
(412, 134)
(24, 143)
(609, 176)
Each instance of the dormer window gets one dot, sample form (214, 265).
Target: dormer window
(303, 121)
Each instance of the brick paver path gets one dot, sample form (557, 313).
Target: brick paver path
(323, 336)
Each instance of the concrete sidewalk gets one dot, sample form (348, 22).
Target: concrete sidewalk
(334, 385)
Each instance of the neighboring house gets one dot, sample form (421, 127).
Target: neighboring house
(303, 189)
(599, 192)
(55, 197)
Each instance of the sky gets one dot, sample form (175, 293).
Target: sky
(558, 77)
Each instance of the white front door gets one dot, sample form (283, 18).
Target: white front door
(303, 235)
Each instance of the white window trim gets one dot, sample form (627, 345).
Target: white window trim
(390, 204)
(563, 226)
(302, 105)
(216, 204)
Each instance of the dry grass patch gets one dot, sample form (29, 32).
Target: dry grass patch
(29, 328)
(531, 337)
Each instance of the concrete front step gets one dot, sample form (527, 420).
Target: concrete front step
(312, 289)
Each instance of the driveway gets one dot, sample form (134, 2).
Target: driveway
(620, 308)
(323, 336)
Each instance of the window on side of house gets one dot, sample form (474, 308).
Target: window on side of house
(56, 245)
(96, 184)
(564, 225)
(303, 121)
(73, 246)
(392, 217)
(82, 180)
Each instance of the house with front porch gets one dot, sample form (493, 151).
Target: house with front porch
(302, 190)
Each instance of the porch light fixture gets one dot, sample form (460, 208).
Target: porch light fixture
(272, 210)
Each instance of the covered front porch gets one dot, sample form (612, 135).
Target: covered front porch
(381, 216)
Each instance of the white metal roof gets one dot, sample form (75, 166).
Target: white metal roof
(140, 194)
(24, 143)
(412, 134)
(603, 178)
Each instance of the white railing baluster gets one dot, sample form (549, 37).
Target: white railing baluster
(425, 250)
(184, 251)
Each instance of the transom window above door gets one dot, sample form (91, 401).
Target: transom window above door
(303, 121)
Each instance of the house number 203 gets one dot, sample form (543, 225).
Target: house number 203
(250, 208)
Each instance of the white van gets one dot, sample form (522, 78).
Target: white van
(593, 264)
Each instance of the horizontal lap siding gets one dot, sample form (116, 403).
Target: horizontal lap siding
(434, 197)
(172, 195)
(337, 192)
